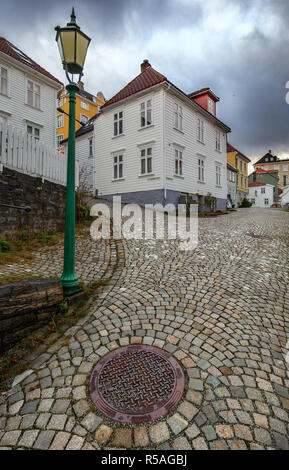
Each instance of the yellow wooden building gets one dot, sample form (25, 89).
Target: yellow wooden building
(87, 106)
(241, 163)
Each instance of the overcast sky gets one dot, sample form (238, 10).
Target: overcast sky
(239, 48)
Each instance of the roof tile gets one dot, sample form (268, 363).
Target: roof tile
(8, 48)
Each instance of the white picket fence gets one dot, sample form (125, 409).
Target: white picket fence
(21, 152)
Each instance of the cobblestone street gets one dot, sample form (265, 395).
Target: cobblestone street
(222, 311)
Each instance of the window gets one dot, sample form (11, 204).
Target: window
(118, 123)
(256, 193)
(146, 161)
(60, 101)
(178, 116)
(33, 94)
(285, 168)
(211, 106)
(200, 130)
(117, 167)
(245, 167)
(241, 165)
(84, 105)
(83, 118)
(218, 175)
(178, 162)
(245, 181)
(4, 81)
(60, 120)
(284, 180)
(90, 147)
(241, 181)
(266, 201)
(146, 113)
(201, 173)
(59, 139)
(218, 140)
(253, 200)
(34, 131)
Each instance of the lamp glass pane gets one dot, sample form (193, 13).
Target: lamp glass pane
(68, 43)
(81, 48)
(59, 43)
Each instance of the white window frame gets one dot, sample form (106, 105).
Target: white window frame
(59, 138)
(200, 129)
(266, 201)
(34, 92)
(83, 118)
(218, 140)
(60, 118)
(2, 79)
(117, 166)
(146, 160)
(263, 190)
(178, 162)
(178, 116)
(90, 147)
(84, 105)
(118, 123)
(201, 169)
(60, 101)
(218, 174)
(146, 113)
(35, 131)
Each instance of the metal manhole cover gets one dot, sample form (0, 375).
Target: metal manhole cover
(136, 383)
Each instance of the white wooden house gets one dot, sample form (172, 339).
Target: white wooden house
(28, 94)
(153, 143)
(261, 194)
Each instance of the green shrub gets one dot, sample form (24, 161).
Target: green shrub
(4, 246)
(246, 203)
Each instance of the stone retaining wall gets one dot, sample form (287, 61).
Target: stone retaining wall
(26, 306)
(46, 199)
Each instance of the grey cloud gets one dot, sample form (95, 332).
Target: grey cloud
(249, 76)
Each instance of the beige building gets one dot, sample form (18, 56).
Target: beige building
(272, 162)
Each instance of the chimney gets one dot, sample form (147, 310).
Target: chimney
(269, 151)
(144, 65)
(81, 85)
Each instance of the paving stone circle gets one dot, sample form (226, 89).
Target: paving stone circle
(136, 384)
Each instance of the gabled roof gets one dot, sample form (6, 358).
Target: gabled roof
(9, 49)
(230, 148)
(268, 155)
(146, 79)
(149, 78)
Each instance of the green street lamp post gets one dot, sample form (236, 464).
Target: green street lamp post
(72, 44)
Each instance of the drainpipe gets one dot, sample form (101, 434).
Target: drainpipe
(164, 143)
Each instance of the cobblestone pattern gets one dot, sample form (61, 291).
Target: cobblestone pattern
(94, 260)
(221, 311)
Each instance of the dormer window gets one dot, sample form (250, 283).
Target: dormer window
(211, 107)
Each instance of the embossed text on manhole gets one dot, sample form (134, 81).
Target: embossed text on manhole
(136, 383)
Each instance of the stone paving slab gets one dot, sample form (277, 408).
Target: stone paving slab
(222, 311)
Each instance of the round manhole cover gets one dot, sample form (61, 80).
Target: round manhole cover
(136, 383)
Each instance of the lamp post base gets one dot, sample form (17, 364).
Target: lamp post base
(70, 286)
